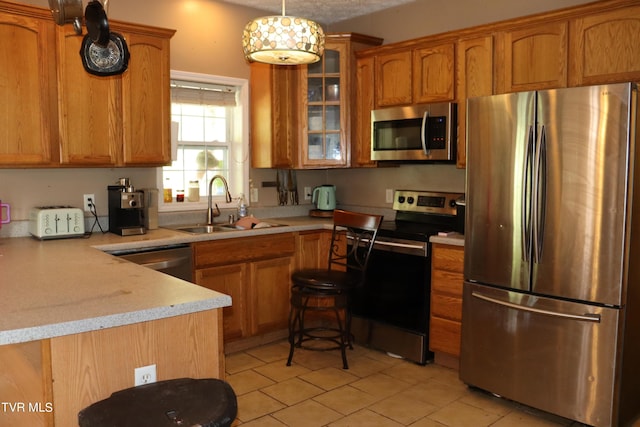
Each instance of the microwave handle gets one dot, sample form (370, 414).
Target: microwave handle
(423, 133)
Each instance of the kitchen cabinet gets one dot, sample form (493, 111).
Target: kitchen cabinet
(273, 121)
(446, 299)
(121, 120)
(28, 113)
(433, 73)
(532, 57)
(604, 47)
(365, 101)
(420, 74)
(474, 70)
(302, 115)
(256, 272)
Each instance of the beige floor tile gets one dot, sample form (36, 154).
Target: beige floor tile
(459, 414)
(246, 381)
(330, 378)
(403, 409)
(292, 391)
(425, 422)
(314, 360)
(436, 393)
(488, 402)
(366, 418)
(271, 353)
(267, 421)
(529, 417)
(381, 385)
(365, 366)
(255, 405)
(411, 372)
(237, 362)
(346, 399)
(308, 414)
(279, 371)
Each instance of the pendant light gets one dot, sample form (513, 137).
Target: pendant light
(283, 40)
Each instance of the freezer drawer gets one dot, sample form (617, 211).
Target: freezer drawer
(553, 355)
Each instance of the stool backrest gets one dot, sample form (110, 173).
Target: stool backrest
(353, 237)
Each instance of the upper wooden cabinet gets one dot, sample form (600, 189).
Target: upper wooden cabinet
(415, 75)
(302, 115)
(534, 57)
(433, 73)
(273, 123)
(474, 71)
(121, 120)
(28, 113)
(55, 113)
(605, 47)
(361, 146)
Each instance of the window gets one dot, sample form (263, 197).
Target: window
(209, 116)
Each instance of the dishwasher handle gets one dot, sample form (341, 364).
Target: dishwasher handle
(167, 263)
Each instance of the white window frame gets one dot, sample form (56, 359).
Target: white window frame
(238, 150)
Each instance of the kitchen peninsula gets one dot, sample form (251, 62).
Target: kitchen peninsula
(76, 322)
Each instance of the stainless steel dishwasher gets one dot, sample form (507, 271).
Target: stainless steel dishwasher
(175, 260)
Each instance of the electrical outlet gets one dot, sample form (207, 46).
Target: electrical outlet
(88, 201)
(307, 193)
(253, 195)
(145, 375)
(389, 195)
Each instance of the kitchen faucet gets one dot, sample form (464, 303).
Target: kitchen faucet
(210, 212)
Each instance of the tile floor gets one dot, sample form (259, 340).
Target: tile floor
(376, 390)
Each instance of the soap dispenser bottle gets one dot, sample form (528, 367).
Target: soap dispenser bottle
(242, 206)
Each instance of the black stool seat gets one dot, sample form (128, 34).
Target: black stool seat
(171, 403)
(329, 289)
(320, 280)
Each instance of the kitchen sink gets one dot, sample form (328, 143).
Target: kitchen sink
(206, 229)
(218, 228)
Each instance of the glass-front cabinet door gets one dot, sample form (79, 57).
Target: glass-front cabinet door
(325, 94)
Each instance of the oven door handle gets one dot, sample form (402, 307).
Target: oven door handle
(392, 244)
(399, 245)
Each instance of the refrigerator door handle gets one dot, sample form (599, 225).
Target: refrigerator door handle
(423, 133)
(585, 317)
(539, 194)
(524, 210)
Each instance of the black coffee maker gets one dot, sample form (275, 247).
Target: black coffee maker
(126, 209)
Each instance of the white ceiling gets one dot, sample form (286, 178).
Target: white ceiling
(322, 11)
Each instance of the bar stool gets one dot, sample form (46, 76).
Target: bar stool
(178, 402)
(329, 290)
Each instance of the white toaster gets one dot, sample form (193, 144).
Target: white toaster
(56, 222)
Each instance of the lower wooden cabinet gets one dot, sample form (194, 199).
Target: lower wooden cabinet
(255, 271)
(446, 299)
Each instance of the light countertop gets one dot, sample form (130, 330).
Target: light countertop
(60, 287)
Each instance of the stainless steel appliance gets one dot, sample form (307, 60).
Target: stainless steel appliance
(415, 133)
(391, 310)
(174, 260)
(56, 222)
(551, 292)
(126, 209)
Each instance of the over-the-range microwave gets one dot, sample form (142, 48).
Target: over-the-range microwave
(415, 133)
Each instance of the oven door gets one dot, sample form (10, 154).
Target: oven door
(397, 287)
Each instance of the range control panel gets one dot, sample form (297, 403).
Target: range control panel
(425, 202)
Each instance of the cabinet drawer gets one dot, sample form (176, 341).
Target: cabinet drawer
(446, 307)
(447, 282)
(447, 257)
(228, 251)
(444, 336)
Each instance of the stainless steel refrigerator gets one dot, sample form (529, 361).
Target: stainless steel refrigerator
(551, 315)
